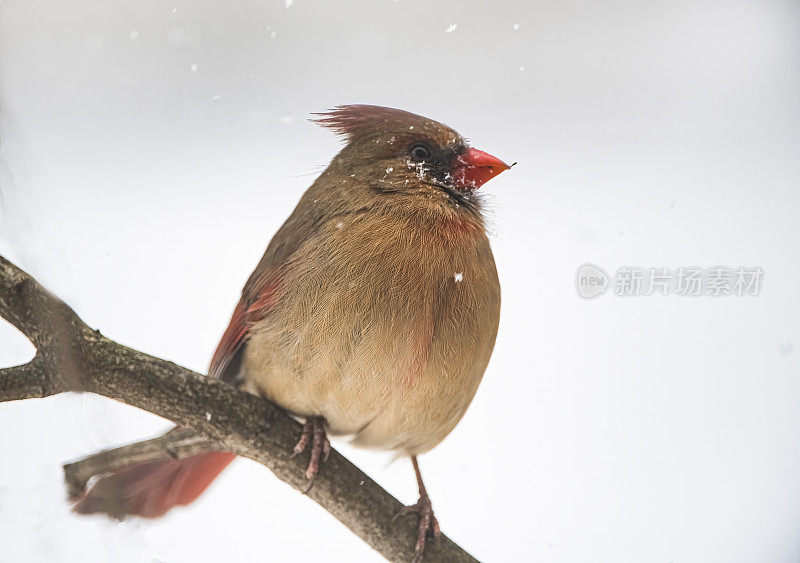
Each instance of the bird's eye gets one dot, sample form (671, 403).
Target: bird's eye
(420, 152)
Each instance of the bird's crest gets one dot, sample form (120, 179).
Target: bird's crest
(359, 121)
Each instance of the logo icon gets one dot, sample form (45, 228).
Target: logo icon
(591, 281)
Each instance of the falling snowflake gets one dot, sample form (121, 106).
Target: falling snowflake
(451, 28)
(459, 276)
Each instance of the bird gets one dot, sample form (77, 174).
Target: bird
(372, 314)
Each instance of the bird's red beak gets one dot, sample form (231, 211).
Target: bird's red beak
(473, 168)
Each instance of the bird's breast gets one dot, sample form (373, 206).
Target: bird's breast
(383, 326)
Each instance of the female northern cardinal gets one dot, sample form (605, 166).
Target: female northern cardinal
(373, 312)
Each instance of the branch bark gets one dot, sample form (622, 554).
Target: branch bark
(213, 415)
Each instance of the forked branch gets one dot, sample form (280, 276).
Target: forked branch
(70, 356)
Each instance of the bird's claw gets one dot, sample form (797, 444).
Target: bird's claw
(313, 432)
(304, 439)
(428, 524)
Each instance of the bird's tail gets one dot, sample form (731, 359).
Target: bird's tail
(151, 488)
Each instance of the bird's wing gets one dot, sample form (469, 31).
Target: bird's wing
(225, 361)
(258, 299)
(261, 292)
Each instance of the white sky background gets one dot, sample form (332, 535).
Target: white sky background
(143, 190)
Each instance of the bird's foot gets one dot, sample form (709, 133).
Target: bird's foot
(313, 432)
(428, 524)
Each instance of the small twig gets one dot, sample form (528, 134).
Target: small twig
(177, 443)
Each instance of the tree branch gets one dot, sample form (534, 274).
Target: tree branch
(213, 415)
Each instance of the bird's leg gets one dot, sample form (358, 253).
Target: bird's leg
(314, 432)
(320, 448)
(301, 444)
(428, 525)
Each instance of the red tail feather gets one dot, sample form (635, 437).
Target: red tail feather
(150, 489)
